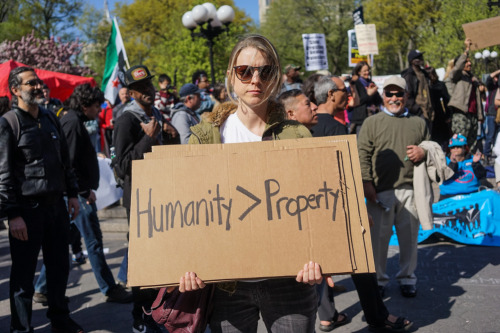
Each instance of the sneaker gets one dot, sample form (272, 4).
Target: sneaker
(122, 284)
(78, 259)
(66, 326)
(118, 295)
(40, 298)
(146, 324)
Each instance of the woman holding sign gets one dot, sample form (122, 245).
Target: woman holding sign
(287, 305)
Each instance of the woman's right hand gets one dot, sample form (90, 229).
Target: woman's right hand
(190, 281)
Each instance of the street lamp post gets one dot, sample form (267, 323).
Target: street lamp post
(487, 56)
(210, 22)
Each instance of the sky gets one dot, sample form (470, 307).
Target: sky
(251, 7)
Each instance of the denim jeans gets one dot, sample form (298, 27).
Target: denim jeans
(491, 133)
(87, 223)
(48, 228)
(122, 273)
(284, 304)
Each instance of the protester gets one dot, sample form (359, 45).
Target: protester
(220, 94)
(368, 97)
(492, 128)
(417, 81)
(84, 106)
(465, 102)
(33, 178)
(106, 127)
(299, 108)
(388, 150)
(440, 98)
(166, 97)
(331, 98)
(124, 97)
(254, 76)
(137, 130)
(200, 79)
(308, 87)
(183, 114)
(51, 104)
(469, 172)
(377, 316)
(4, 105)
(292, 78)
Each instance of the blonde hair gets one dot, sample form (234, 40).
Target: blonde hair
(450, 66)
(263, 45)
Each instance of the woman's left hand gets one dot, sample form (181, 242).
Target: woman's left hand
(311, 274)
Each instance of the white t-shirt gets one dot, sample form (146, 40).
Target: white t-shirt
(234, 131)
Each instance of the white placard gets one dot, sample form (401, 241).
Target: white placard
(366, 34)
(315, 52)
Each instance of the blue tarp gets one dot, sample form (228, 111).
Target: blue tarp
(468, 219)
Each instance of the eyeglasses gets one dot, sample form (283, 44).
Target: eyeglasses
(245, 73)
(343, 89)
(33, 83)
(399, 94)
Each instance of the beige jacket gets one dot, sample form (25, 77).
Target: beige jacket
(432, 169)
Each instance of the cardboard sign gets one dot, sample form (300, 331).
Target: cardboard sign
(251, 210)
(366, 34)
(476, 32)
(315, 52)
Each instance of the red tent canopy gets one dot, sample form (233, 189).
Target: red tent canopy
(61, 85)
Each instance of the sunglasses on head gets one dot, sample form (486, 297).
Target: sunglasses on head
(33, 83)
(245, 73)
(398, 94)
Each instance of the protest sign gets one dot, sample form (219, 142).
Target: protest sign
(258, 212)
(354, 56)
(315, 52)
(366, 35)
(478, 32)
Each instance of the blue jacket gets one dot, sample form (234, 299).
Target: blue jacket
(466, 179)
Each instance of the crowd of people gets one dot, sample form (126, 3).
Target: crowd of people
(49, 173)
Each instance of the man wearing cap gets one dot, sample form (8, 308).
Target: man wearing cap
(469, 172)
(417, 81)
(137, 130)
(388, 150)
(183, 114)
(292, 78)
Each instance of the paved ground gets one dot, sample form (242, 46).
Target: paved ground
(459, 290)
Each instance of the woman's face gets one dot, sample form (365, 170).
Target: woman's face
(255, 91)
(365, 72)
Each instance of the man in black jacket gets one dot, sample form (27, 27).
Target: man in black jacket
(85, 104)
(35, 172)
(417, 81)
(140, 127)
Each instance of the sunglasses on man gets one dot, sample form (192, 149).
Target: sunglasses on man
(245, 73)
(399, 94)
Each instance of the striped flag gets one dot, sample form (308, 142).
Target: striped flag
(114, 70)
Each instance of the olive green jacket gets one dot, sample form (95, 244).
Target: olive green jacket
(277, 126)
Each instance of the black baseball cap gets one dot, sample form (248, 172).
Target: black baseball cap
(137, 74)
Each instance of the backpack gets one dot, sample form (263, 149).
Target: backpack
(15, 125)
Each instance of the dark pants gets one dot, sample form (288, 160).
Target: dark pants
(369, 297)
(285, 305)
(48, 228)
(142, 298)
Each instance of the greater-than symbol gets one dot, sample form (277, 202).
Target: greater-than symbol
(251, 196)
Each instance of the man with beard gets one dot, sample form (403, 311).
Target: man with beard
(35, 174)
(388, 150)
(137, 130)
